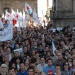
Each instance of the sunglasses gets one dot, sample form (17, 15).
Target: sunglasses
(31, 71)
(36, 72)
(3, 67)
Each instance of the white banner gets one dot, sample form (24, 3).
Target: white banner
(18, 50)
(6, 33)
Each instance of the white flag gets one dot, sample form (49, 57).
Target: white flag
(9, 16)
(35, 17)
(18, 50)
(18, 17)
(24, 22)
(12, 12)
(1, 24)
(53, 47)
(17, 11)
(3, 15)
(6, 33)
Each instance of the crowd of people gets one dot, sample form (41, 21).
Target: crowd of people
(37, 57)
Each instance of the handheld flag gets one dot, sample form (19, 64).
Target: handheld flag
(12, 12)
(9, 16)
(35, 17)
(6, 33)
(24, 23)
(18, 17)
(3, 15)
(1, 24)
(53, 47)
(28, 9)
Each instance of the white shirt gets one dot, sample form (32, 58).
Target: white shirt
(39, 66)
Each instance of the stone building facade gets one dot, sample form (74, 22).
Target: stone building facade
(14, 4)
(63, 12)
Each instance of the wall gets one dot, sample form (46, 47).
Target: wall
(14, 4)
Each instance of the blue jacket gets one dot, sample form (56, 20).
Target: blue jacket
(20, 73)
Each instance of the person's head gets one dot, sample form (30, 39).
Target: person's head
(73, 62)
(48, 54)
(8, 50)
(16, 54)
(62, 43)
(26, 62)
(22, 54)
(42, 60)
(4, 69)
(5, 48)
(66, 66)
(66, 52)
(6, 58)
(11, 71)
(43, 44)
(22, 67)
(61, 50)
(2, 53)
(56, 52)
(18, 61)
(37, 54)
(49, 62)
(13, 65)
(25, 49)
(35, 43)
(47, 49)
(60, 57)
(33, 52)
(33, 65)
(17, 46)
(36, 71)
(30, 71)
(70, 59)
(57, 68)
(73, 51)
(73, 56)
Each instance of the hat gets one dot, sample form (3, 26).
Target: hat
(4, 65)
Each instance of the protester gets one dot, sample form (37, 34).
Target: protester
(30, 71)
(66, 69)
(58, 70)
(12, 71)
(22, 70)
(4, 69)
(35, 49)
(42, 64)
(73, 65)
(49, 69)
(60, 60)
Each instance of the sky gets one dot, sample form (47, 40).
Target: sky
(42, 7)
